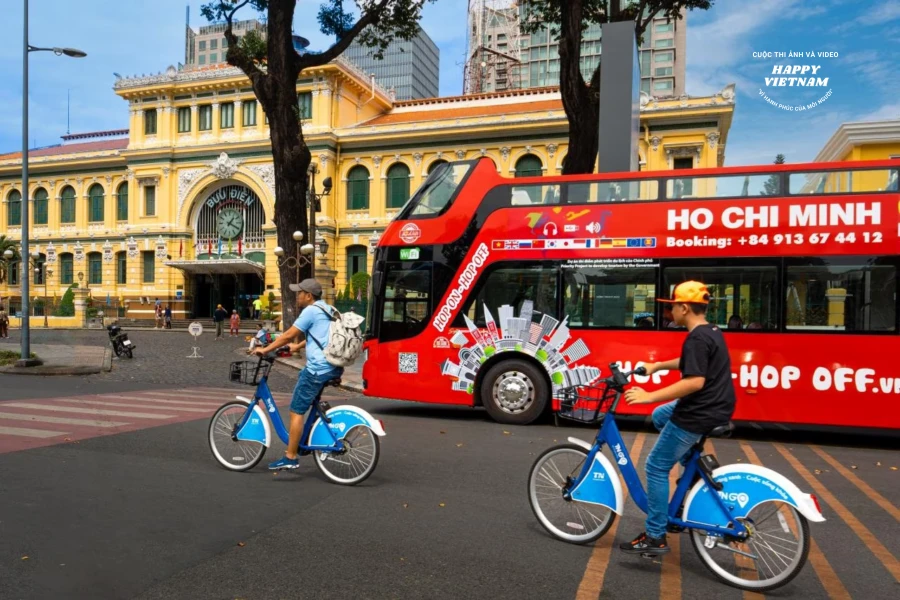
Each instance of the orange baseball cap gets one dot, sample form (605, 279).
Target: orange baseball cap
(690, 292)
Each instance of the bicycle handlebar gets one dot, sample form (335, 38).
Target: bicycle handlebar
(619, 379)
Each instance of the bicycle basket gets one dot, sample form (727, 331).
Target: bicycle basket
(249, 372)
(585, 404)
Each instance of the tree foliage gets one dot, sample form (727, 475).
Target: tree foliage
(273, 67)
(770, 186)
(567, 20)
(66, 306)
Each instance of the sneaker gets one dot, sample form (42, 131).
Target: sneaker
(284, 463)
(644, 544)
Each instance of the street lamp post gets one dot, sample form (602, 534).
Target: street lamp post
(315, 205)
(303, 255)
(39, 267)
(25, 359)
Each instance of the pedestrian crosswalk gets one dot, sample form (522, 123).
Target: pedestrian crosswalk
(37, 422)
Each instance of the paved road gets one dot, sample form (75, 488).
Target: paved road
(146, 513)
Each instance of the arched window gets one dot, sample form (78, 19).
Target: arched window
(529, 165)
(66, 268)
(95, 200)
(358, 188)
(397, 185)
(435, 164)
(39, 269)
(67, 205)
(14, 214)
(121, 268)
(356, 260)
(40, 206)
(122, 203)
(95, 268)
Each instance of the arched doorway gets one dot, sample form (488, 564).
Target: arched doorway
(226, 263)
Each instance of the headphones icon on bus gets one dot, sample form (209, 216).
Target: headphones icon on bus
(552, 225)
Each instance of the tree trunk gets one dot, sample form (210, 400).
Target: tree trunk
(290, 155)
(580, 101)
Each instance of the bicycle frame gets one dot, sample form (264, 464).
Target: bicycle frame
(264, 395)
(609, 435)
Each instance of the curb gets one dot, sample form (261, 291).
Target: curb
(107, 360)
(343, 386)
(50, 370)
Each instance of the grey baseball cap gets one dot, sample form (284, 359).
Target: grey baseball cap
(308, 285)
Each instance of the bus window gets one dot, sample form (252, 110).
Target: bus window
(845, 295)
(438, 190)
(610, 297)
(843, 182)
(512, 284)
(525, 195)
(743, 298)
(612, 191)
(406, 304)
(725, 186)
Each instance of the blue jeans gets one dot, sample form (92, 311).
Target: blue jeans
(309, 385)
(671, 447)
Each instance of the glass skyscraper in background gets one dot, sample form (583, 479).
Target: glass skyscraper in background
(410, 68)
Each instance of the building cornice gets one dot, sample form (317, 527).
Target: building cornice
(850, 135)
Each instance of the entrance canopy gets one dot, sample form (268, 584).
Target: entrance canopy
(225, 266)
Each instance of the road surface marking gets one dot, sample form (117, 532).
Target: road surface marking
(35, 433)
(89, 411)
(864, 487)
(160, 400)
(141, 406)
(595, 571)
(60, 420)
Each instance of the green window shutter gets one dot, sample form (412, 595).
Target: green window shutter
(149, 200)
(66, 268)
(150, 122)
(358, 188)
(121, 268)
(184, 119)
(14, 210)
(96, 204)
(149, 266)
(397, 186)
(304, 103)
(67, 206)
(249, 110)
(529, 166)
(40, 207)
(122, 203)
(226, 115)
(95, 268)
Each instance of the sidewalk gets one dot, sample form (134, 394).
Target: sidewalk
(64, 359)
(350, 380)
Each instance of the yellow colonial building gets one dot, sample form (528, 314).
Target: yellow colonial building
(179, 205)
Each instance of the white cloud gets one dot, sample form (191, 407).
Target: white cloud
(883, 113)
(881, 14)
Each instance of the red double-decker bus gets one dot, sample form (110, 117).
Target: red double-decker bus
(503, 292)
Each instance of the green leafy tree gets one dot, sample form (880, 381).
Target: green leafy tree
(771, 187)
(567, 21)
(360, 285)
(273, 67)
(66, 306)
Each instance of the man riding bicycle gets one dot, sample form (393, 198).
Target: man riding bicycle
(314, 322)
(706, 400)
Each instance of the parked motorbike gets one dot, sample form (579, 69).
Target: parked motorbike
(120, 342)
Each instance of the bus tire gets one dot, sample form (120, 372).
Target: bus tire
(515, 391)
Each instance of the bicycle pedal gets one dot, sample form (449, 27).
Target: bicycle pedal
(649, 555)
(675, 529)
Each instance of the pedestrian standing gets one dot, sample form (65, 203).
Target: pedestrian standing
(235, 323)
(257, 307)
(168, 315)
(159, 317)
(219, 318)
(4, 324)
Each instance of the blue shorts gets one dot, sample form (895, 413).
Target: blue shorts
(309, 386)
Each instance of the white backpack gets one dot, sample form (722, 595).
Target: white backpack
(345, 338)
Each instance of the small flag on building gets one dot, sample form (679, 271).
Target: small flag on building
(180, 248)
(240, 247)
(220, 247)
(209, 247)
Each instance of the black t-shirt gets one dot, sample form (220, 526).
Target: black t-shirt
(220, 315)
(704, 354)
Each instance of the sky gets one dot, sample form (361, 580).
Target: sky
(128, 37)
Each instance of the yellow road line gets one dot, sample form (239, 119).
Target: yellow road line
(864, 487)
(595, 571)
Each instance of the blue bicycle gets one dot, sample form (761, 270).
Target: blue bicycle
(747, 523)
(344, 439)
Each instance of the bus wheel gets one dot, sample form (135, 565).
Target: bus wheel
(515, 392)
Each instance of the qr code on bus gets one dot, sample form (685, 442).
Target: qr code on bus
(409, 362)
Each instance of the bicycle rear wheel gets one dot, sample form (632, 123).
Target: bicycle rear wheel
(569, 520)
(231, 454)
(770, 557)
(356, 462)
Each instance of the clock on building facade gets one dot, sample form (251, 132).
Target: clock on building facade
(230, 223)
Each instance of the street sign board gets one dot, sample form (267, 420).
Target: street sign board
(195, 329)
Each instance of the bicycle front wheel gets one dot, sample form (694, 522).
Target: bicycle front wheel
(232, 454)
(356, 462)
(771, 556)
(569, 520)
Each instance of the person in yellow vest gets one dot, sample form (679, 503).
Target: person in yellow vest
(257, 307)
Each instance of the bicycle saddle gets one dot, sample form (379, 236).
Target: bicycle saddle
(722, 431)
